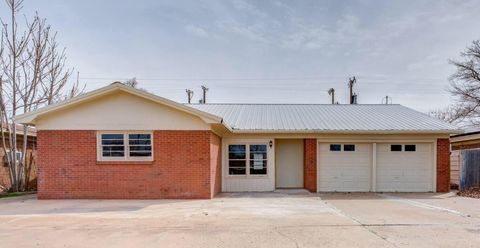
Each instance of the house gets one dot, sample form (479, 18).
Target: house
(461, 142)
(121, 142)
(30, 168)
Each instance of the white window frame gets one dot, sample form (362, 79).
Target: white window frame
(247, 159)
(126, 157)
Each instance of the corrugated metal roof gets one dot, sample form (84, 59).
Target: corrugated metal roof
(323, 117)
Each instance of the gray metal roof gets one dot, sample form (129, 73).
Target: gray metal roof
(325, 118)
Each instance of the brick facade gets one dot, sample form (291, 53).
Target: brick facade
(443, 165)
(185, 166)
(310, 164)
(215, 164)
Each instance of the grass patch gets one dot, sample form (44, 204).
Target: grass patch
(7, 195)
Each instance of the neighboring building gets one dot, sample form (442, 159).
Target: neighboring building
(459, 142)
(120, 142)
(5, 170)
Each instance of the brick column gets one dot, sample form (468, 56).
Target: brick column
(310, 164)
(443, 165)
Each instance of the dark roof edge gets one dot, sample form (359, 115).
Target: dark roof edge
(465, 134)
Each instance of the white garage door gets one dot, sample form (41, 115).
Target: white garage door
(405, 167)
(344, 167)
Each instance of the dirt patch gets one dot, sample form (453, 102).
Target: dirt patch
(473, 192)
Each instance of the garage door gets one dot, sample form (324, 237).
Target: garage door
(344, 167)
(405, 167)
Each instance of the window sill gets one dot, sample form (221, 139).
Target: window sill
(125, 162)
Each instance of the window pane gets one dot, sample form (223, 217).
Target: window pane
(140, 145)
(139, 136)
(113, 148)
(335, 147)
(139, 142)
(258, 167)
(236, 163)
(258, 148)
(140, 148)
(113, 151)
(258, 152)
(396, 148)
(140, 154)
(112, 154)
(410, 148)
(112, 142)
(112, 136)
(258, 155)
(237, 167)
(236, 171)
(236, 152)
(349, 148)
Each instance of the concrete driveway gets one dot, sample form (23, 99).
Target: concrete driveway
(281, 219)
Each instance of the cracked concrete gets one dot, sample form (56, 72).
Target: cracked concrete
(281, 219)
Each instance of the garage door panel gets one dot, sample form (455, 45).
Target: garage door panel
(344, 171)
(404, 171)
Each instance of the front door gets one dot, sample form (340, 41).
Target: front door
(289, 163)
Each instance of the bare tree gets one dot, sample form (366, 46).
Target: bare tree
(465, 86)
(32, 74)
(451, 114)
(132, 82)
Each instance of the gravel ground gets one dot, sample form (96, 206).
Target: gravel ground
(473, 192)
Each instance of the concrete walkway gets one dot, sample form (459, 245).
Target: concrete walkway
(280, 219)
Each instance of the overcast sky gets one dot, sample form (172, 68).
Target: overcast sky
(268, 51)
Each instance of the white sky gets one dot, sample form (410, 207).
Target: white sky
(267, 51)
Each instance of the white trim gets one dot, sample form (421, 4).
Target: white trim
(126, 156)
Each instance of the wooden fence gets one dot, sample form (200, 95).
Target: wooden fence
(470, 168)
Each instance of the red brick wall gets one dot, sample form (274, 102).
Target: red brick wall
(443, 165)
(215, 164)
(68, 167)
(310, 165)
